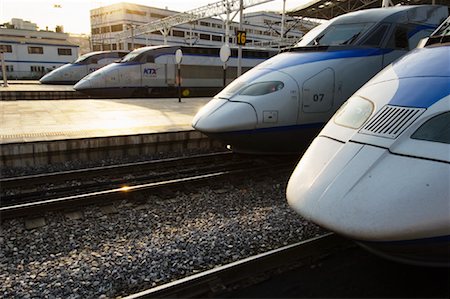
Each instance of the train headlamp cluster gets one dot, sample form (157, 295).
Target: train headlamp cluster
(262, 88)
(354, 113)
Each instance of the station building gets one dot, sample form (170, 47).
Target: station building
(262, 28)
(30, 53)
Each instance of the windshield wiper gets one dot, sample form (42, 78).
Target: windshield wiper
(351, 39)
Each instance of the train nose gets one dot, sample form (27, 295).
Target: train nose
(47, 78)
(83, 84)
(221, 115)
(317, 170)
(333, 187)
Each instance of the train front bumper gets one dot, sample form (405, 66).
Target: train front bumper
(369, 194)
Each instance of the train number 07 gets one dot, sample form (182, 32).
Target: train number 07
(318, 97)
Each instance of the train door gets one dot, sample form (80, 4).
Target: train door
(171, 73)
(317, 95)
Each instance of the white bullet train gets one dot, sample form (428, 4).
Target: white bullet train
(152, 72)
(73, 72)
(379, 171)
(280, 105)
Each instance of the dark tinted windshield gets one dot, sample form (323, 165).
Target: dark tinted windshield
(343, 34)
(134, 56)
(84, 57)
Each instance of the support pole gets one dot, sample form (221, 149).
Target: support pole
(241, 20)
(5, 80)
(224, 74)
(179, 83)
(283, 15)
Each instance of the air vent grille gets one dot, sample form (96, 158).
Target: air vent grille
(391, 121)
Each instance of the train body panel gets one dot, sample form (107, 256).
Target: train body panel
(318, 77)
(152, 71)
(379, 171)
(71, 73)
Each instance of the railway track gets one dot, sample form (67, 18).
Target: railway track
(26, 189)
(328, 266)
(219, 281)
(129, 181)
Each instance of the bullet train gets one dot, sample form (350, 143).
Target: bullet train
(72, 72)
(152, 71)
(379, 171)
(280, 105)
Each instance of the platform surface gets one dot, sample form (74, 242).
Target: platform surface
(31, 121)
(15, 86)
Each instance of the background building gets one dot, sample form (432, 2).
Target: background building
(263, 28)
(30, 53)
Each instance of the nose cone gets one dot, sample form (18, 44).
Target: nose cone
(221, 115)
(57, 75)
(313, 174)
(48, 78)
(83, 85)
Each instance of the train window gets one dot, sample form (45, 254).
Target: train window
(344, 34)
(376, 37)
(63, 51)
(262, 88)
(6, 48)
(35, 50)
(399, 38)
(437, 129)
(133, 56)
(354, 113)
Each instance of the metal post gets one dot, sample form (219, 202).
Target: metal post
(241, 20)
(132, 37)
(179, 83)
(227, 24)
(224, 74)
(282, 22)
(5, 80)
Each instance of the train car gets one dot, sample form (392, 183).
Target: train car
(73, 72)
(281, 105)
(152, 71)
(379, 171)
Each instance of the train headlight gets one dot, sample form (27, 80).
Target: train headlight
(262, 88)
(354, 112)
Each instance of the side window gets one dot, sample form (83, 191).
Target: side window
(399, 38)
(150, 58)
(436, 129)
(415, 38)
(376, 37)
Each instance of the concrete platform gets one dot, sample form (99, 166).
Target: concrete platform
(36, 130)
(19, 90)
(31, 121)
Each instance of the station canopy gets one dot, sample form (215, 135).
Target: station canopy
(328, 9)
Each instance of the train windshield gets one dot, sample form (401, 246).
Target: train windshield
(84, 57)
(342, 34)
(133, 56)
(312, 34)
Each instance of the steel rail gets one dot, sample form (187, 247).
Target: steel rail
(71, 182)
(11, 182)
(218, 280)
(111, 195)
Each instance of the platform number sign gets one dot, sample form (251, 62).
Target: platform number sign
(241, 37)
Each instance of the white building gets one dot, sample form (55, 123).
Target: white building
(30, 53)
(108, 21)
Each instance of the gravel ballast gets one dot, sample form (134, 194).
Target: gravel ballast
(110, 254)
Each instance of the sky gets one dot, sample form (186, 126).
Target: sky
(74, 14)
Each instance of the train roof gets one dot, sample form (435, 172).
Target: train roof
(396, 14)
